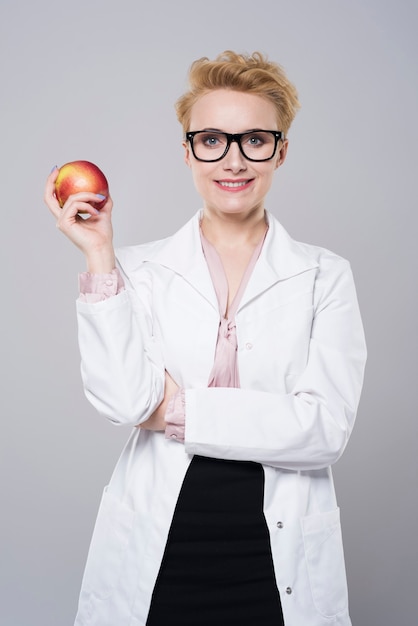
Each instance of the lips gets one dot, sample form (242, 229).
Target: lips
(234, 185)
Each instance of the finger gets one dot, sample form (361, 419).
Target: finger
(85, 196)
(53, 174)
(49, 193)
(82, 202)
(72, 209)
(78, 208)
(107, 207)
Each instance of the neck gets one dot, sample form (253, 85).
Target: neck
(232, 231)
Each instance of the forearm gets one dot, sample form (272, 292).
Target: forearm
(307, 428)
(121, 364)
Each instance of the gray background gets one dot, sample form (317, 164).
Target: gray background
(97, 80)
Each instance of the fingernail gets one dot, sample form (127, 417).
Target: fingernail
(54, 168)
(99, 195)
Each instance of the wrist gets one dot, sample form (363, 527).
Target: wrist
(101, 261)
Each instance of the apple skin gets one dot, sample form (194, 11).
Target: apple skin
(79, 176)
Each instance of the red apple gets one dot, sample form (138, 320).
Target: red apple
(79, 176)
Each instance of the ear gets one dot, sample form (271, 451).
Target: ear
(281, 155)
(186, 147)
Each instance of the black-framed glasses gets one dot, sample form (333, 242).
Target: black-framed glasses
(213, 145)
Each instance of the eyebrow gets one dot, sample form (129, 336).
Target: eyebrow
(218, 130)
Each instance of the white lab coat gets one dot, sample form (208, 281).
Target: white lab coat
(301, 356)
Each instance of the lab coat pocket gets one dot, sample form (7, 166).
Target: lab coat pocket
(325, 562)
(108, 547)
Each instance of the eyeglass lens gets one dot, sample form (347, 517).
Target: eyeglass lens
(257, 145)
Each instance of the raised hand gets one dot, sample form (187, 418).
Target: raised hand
(94, 235)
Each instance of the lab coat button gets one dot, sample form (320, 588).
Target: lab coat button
(249, 345)
(288, 590)
(279, 525)
(109, 283)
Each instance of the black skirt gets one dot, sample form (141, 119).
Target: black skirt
(217, 567)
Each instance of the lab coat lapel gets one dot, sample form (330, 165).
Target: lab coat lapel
(281, 258)
(182, 253)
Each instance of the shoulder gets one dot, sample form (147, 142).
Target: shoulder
(291, 257)
(334, 278)
(176, 252)
(131, 258)
(325, 258)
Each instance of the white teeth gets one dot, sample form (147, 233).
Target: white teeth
(229, 184)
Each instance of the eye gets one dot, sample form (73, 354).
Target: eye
(210, 140)
(255, 139)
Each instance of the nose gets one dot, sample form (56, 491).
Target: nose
(234, 160)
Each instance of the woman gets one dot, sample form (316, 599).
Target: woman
(239, 353)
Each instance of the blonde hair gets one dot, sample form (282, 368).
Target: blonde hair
(253, 74)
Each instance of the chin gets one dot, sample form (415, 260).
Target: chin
(235, 209)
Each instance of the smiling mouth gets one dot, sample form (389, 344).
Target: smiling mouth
(233, 184)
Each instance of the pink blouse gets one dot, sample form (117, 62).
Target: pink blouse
(225, 367)
(96, 287)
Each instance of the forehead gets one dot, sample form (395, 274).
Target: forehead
(232, 111)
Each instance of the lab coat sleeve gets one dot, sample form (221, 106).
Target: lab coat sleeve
(309, 427)
(121, 363)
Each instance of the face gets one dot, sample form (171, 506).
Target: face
(233, 185)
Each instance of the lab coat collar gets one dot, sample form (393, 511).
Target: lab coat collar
(280, 259)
